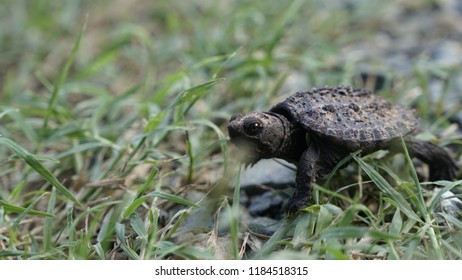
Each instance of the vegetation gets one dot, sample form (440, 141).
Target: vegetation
(113, 131)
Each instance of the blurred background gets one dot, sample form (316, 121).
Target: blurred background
(147, 89)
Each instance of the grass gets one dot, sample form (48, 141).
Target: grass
(113, 132)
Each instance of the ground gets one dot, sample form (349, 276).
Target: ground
(113, 122)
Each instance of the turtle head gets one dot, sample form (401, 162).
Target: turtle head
(259, 135)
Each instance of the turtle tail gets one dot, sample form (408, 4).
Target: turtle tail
(441, 165)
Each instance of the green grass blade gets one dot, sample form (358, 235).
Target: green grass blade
(32, 161)
(275, 239)
(234, 221)
(138, 226)
(99, 250)
(344, 232)
(419, 194)
(148, 181)
(18, 209)
(179, 218)
(47, 229)
(351, 212)
(447, 186)
(194, 93)
(105, 227)
(396, 223)
(27, 210)
(433, 236)
(11, 253)
(385, 187)
(62, 77)
(170, 197)
(221, 138)
(152, 232)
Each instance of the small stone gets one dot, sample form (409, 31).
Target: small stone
(269, 203)
(268, 172)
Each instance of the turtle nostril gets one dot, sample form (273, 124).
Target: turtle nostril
(232, 130)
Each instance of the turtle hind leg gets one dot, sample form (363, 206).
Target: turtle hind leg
(441, 165)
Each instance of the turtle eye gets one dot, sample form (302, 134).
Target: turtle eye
(252, 127)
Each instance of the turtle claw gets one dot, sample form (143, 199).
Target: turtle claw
(296, 203)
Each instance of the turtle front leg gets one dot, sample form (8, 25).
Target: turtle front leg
(315, 162)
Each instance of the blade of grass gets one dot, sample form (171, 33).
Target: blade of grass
(47, 229)
(421, 205)
(137, 202)
(62, 77)
(99, 250)
(32, 161)
(385, 187)
(71, 233)
(120, 233)
(148, 181)
(179, 218)
(274, 240)
(221, 137)
(447, 186)
(193, 94)
(324, 219)
(18, 209)
(152, 233)
(138, 226)
(11, 253)
(350, 213)
(345, 232)
(301, 233)
(104, 229)
(234, 223)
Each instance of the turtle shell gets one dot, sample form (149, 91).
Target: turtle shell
(352, 116)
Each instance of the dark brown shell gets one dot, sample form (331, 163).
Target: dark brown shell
(348, 115)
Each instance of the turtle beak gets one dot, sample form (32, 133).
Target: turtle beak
(233, 126)
(233, 131)
(245, 153)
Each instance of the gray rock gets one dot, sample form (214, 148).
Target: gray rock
(269, 203)
(268, 172)
(451, 205)
(447, 53)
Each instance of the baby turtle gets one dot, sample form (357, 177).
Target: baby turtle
(316, 129)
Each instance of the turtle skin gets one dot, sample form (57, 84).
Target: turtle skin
(317, 128)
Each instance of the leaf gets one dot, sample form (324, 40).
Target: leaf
(155, 121)
(18, 209)
(274, 240)
(148, 181)
(47, 229)
(104, 229)
(381, 235)
(64, 71)
(350, 213)
(138, 226)
(324, 219)
(447, 186)
(32, 161)
(345, 232)
(385, 187)
(137, 202)
(11, 253)
(194, 93)
(99, 250)
(396, 223)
